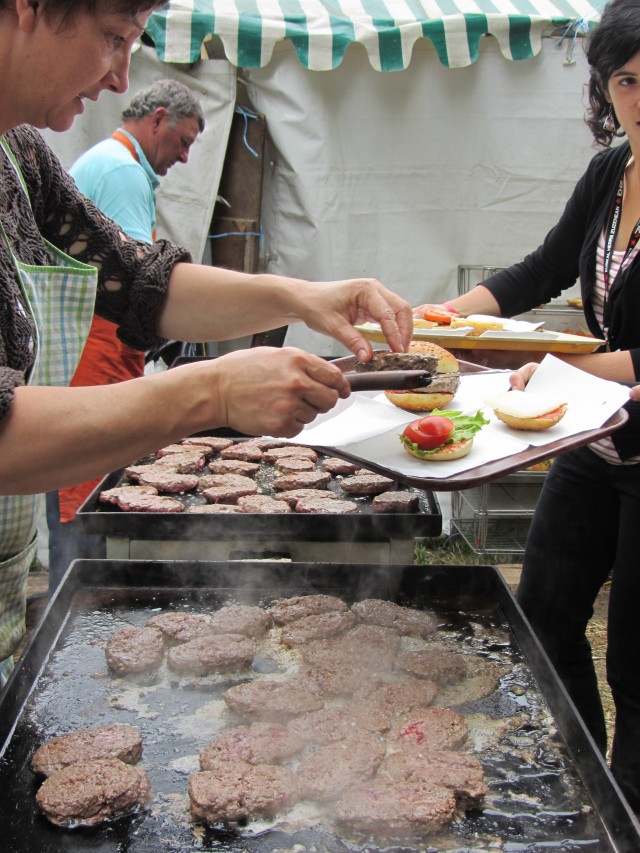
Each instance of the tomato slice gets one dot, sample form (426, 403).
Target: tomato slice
(430, 432)
(437, 315)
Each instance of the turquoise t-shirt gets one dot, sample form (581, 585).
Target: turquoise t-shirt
(123, 189)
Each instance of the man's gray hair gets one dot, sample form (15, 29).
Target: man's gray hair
(178, 100)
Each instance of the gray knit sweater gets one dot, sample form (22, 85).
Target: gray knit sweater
(132, 277)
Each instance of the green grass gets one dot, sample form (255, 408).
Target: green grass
(453, 550)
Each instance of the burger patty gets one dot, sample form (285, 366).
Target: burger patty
(334, 465)
(293, 464)
(131, 650)
(286, 610)
(302, 480)
(234, 466)
(395, 502)
(263, 504)
(242, 450)
(180, 627)
(378, 646)
(317, 627)
(275, 453)
(443, 667)
(426, 729)
(460, 772)
(404, 620)
(89, 792)
(336, 767)
(396, 811)
(238, 791)
(247, 619)
(400, 697)
(229, 493)
(113, 741)
(212, 653)
(292, 496)
(329, 725)
(398, 361)
(219, 509)
(339, 680)
(366, 484)
(214, 442)
(317, 504)
(259, 743)
(169, 481)
(272, 700)
(111, 496)
(131, 502)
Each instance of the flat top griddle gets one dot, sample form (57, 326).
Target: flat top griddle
(549, 788)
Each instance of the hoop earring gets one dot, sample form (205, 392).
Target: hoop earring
(608, 122)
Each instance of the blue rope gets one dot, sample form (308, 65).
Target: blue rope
(246, 115)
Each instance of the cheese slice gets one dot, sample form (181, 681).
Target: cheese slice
(525, 404)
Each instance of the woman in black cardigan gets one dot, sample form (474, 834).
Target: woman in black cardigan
(585, 524)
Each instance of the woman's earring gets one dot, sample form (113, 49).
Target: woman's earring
(608, 122)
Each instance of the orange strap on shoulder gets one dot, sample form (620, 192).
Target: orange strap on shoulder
(119, 136)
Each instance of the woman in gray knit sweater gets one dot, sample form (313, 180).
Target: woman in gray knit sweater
(61, 259)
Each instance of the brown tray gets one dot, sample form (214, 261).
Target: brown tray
(498, 467)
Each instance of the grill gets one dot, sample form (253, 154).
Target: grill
(359, 538)
(549, 787)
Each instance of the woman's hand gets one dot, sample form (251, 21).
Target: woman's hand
(432, 310)
(273, 391)
(519, 378)
(335, 308)
(634, 393)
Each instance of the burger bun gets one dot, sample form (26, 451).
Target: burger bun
(442, 388)
(448, 452)
(528, 410)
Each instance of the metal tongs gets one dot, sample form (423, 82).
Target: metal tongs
(388, 380)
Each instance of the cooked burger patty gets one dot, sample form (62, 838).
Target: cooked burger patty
(219, 509)
(396, 811)
(212, 653)
(441, 666)
(238, 791)
(216, 443)
(148, 503)
(180, 627)
(366, 484)
(234, 466)
(317, 627)
(335, 768)
(263, 504)
(111, 496)
(272, 700)
(395, 502)
(170, 481)
(382, 360)
(247, 619)
(275, 453)
(259, 743)
(113, 741)
(460, 772)
(286, 610)
(317, 504)
(292, 464)
(334, 465)
(302, 480)
(404, 620)
(87, 793)
(131, 650)
(292, 496)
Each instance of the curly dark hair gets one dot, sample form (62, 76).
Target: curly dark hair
(609, 46)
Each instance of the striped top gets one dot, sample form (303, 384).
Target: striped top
(605, 447)
(322, 30)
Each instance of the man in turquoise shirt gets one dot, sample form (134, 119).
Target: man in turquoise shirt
(121, 174)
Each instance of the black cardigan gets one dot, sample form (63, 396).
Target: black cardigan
(568, 253)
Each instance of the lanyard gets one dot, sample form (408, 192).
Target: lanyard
(611, 240)
(123, 139)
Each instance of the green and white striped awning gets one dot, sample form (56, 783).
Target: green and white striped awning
(322, 30)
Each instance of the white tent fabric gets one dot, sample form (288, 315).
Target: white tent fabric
(405, 176)
(187, 194)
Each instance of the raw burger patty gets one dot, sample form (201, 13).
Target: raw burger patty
(443, 667)
(424, 729)
(317, 627)
(237, 791)
(114, 741)
(90, 792)
(130, 650)
(214, 653)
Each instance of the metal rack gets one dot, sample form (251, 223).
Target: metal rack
(494, 518)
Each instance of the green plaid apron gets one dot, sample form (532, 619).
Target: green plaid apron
(61, 299)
